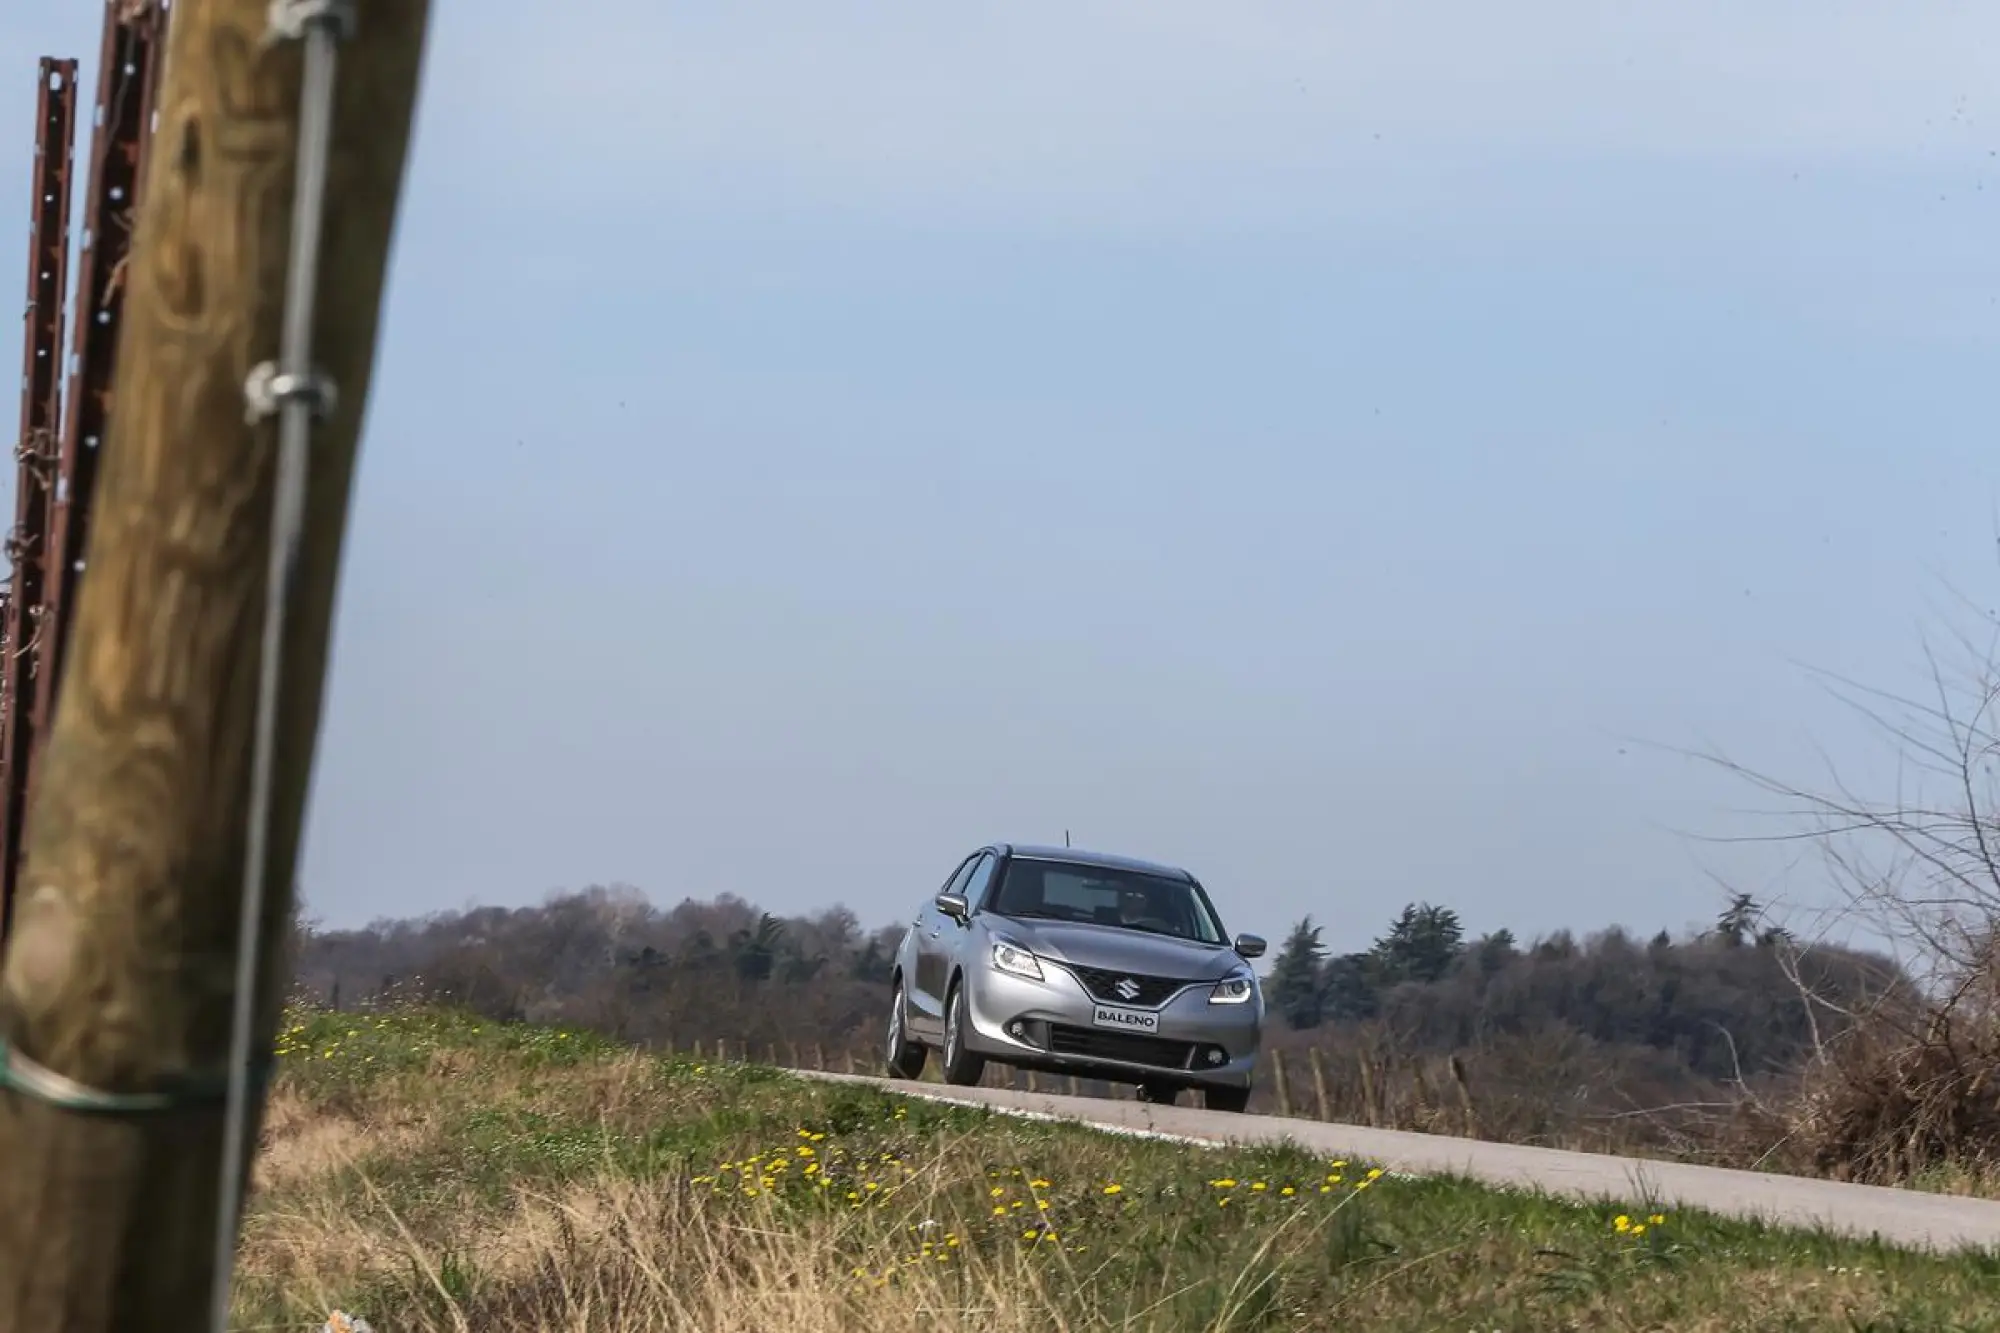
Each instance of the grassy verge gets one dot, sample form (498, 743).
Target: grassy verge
(430, 1172)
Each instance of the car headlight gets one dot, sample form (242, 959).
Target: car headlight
(1237, 988)
(1011, 957)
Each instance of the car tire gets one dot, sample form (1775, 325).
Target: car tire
(904, 1057)
(1233, 1100)
(1159, 1094)
(961, 1067)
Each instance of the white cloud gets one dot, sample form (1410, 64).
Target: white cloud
(1095, 106)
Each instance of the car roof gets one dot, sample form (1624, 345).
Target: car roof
(1106, 860)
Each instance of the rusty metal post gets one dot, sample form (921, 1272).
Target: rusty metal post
(126, 78)
(41, 418)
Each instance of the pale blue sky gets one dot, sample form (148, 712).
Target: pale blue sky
(1301, 441)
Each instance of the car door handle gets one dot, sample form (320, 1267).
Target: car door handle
(936, 931)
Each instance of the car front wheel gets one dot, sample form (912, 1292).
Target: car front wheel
(904, 1057)
(961, 1067)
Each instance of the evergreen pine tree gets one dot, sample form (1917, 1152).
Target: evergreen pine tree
(1296, 988)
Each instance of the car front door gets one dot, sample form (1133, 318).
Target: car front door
(926, 993)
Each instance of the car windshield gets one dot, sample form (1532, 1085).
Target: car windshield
(1105, 896)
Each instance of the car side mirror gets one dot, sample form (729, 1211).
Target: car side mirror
(1250, 946)
(955, 906)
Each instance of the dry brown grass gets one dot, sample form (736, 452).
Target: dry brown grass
(432, 1173)
(1916, 1100)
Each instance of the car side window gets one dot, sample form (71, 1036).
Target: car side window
(956, 884)
(982, 876)
(952, 882)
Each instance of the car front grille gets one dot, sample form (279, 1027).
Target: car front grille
(1103, 984)
(1125, 1047)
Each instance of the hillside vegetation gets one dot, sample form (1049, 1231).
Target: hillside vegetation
(429, 1169)
(1667, 1046)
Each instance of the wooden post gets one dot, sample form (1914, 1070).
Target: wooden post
(1465, 1103)
(850, 1060)
(1367, 1091)
(1319, 1082)
(819, 1057)
(121, 971)
(1278, 1084)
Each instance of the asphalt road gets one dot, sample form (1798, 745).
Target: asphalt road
(1900, 1217)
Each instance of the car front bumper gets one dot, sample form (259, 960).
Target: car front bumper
(1049, 1025)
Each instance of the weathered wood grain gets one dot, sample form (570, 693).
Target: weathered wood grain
(121, 970)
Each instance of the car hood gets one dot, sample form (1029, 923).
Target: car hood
(1119, 950)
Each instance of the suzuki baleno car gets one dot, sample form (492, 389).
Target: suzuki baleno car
(1078, 963)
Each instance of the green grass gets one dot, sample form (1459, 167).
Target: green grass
(429, 1171)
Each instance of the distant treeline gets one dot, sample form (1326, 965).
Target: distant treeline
(1734, 1004)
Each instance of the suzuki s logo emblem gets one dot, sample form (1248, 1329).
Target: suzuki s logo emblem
(1127, 989)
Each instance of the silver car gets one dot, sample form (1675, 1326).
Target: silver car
(1078, 963)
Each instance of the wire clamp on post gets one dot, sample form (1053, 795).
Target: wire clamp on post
(37, 1082)
(291, 20)
(268, 390)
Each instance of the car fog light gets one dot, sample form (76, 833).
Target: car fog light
(1216, 1055)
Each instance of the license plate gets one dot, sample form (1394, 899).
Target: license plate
(1125, 1020)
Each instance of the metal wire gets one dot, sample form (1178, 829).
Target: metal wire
(321, 34)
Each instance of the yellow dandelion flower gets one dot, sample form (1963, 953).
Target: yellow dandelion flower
(995, 1192)
(1374, 1173)
(1286, 1192)
(1224, 1184)
(1657, 1219)
(1621, 1223)
(1259, 1186)
(1114, 1188)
